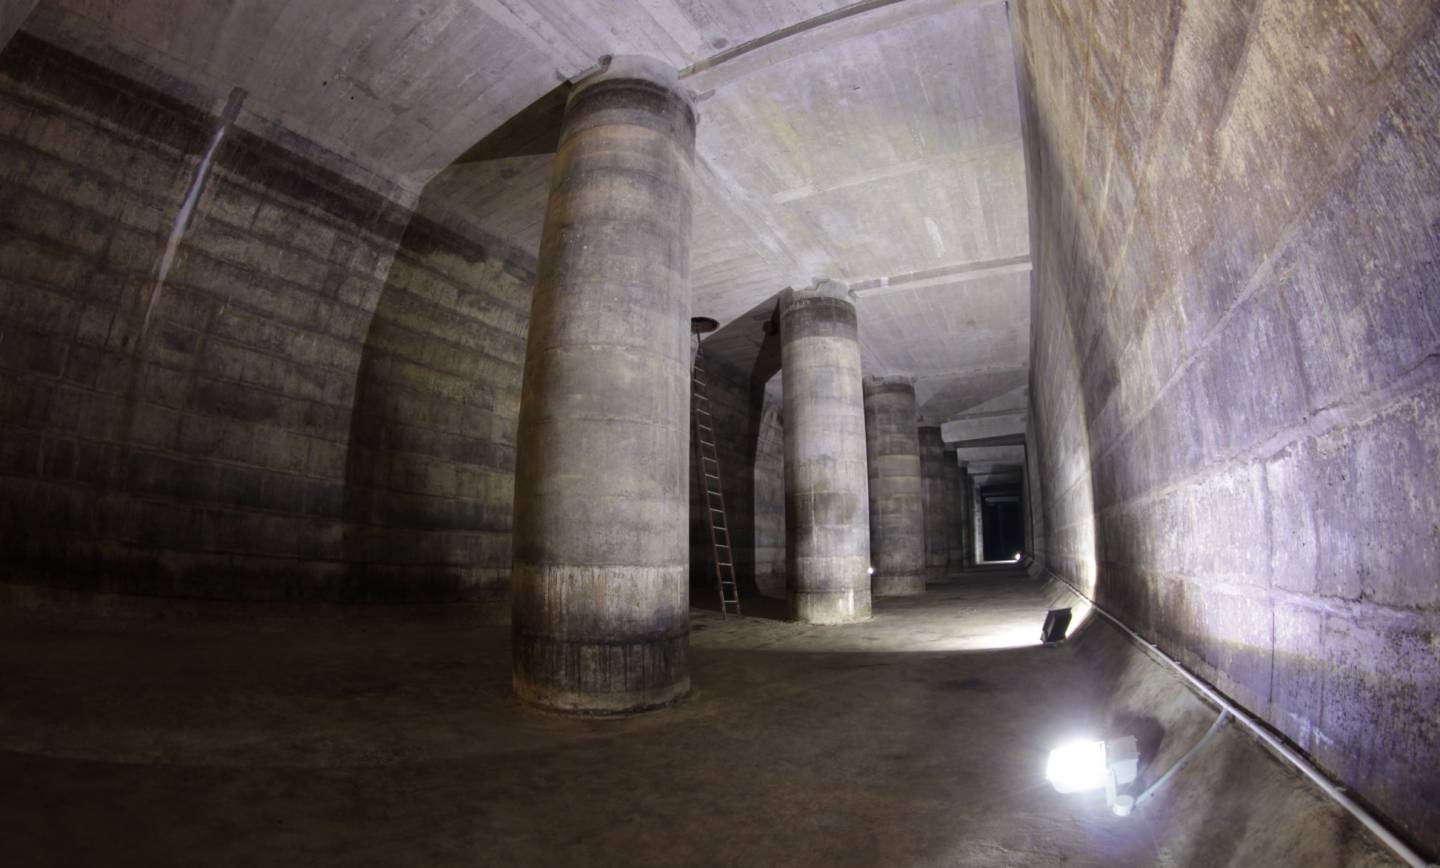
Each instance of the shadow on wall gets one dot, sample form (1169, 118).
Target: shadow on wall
(765, 452)
(429, 476)
(740, 360)
(769, 475)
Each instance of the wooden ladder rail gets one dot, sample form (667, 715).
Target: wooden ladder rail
(709, 467)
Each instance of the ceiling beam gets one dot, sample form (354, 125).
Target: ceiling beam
(1002, 440)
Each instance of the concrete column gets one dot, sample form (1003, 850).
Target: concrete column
(827, 516)
(977, 524)
(937, 520)
(954, 511)
(897, 498)
(601, 560)
(967, 526)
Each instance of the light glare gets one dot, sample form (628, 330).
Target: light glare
(1077, 766)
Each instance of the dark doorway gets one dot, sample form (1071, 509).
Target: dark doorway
(1002, 522)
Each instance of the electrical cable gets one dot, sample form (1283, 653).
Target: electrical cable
(1184, 760)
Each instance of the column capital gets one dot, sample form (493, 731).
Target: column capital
(877, 384)
(625, 69)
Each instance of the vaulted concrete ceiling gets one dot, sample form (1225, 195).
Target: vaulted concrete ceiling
(876, 143)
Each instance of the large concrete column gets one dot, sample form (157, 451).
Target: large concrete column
(601, 559)
(937, 514)
(827, 516)
(897, 507)
(967, 526)
(954, 511)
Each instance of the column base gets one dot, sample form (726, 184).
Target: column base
(908, 585)
(833, 607)
(596, 678)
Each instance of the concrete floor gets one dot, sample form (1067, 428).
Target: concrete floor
(274, 736)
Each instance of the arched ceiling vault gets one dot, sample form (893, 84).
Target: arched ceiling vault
(876, 143)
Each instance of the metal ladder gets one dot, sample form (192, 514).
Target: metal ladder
(709, 469)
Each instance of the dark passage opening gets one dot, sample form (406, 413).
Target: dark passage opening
(1002, 527)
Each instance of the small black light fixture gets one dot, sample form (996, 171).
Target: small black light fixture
(1057, 621)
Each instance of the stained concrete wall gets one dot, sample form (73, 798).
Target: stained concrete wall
(430, 465)
(1236, 355)
(194, 438)
(12, 14)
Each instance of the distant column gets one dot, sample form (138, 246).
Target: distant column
(827, 517)
(954, 512)
(897, 498)
(937, 512)
(601, 555)
(967, 525)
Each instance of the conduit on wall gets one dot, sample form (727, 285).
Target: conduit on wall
(1330, 788)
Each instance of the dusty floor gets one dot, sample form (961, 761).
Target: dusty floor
(390, 738)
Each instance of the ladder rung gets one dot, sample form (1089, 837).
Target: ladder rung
(714, 495)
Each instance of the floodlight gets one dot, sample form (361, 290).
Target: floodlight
(1057, 621)
(1080, 766)
(1077, 766)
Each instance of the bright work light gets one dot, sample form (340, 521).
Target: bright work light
(1078, 766)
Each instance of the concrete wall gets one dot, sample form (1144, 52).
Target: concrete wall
(431, 463)
(1236, 354)
(194, 438)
